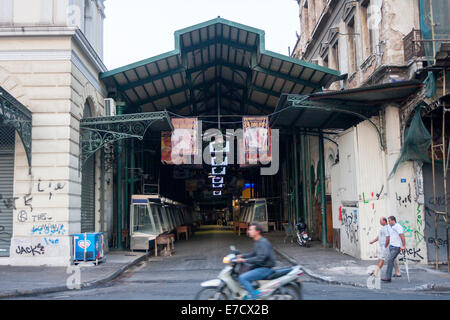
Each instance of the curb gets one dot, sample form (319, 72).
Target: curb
(90, 284)
(425, 287)
(314, 275)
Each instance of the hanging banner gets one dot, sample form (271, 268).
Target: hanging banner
(166, 147)
(180, 145)
(257, 138)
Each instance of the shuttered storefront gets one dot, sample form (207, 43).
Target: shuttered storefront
(88, 196)
(7, 137)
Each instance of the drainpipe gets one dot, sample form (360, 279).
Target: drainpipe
(303, 160)
(322, 190)
(296, 207)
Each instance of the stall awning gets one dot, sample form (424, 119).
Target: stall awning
(15, 114)
(339, 109)
(218, 62)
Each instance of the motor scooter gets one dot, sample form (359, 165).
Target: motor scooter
(282, 284)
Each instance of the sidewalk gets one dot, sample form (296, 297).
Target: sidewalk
(329, 265)
(19, 281)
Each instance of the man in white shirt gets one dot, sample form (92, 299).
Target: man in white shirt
(384, 252)
(396, 242)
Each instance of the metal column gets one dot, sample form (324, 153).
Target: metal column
(303, 160)
(322, 190)
(296, 207)
(310, 200)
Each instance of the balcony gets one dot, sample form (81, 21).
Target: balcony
(413, 45)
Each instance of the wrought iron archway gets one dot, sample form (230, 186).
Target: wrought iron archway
(13, 113)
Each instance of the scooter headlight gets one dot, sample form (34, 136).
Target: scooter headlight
(226, 260)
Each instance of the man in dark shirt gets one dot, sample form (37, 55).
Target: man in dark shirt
(261, 260)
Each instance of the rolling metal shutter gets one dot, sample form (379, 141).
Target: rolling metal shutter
(88, 196)
(7, 140)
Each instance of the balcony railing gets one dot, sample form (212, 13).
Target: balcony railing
(413, 45)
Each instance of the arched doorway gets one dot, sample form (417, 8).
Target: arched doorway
(88, 187)
(7, 144)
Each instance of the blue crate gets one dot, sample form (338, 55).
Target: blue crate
(91, 243)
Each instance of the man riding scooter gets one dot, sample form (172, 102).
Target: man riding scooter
(260, 261)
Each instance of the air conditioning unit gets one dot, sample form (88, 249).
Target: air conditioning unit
(110, 107)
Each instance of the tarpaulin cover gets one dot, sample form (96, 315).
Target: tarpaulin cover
(417, 142)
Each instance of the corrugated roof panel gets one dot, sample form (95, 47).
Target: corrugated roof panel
(120, 78)
(252, 37)
(234, 34)
(195, 37)
(141, 92)
(162, 65)
(162, 103)
(131, 76)
(317, 77)
(288, 87)
(173, 62)
(265, 61)
(178, 98)
(211, 32)
(273, 101)
(296, 71)
(258, 97)
(204, 34)
(168, 83)
(278, 85)
(259, 80)
(142, 72)
(130, 93)
(298, 89)
(150, 89)
(159, 86)
(225, 52)
(187, 40)
(178, 80)
(275, 65)
(152, 69)
(306, 74)
(243, 37)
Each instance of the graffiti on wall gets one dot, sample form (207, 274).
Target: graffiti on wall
(31, 250)
(404, 200)
(350, 224)
(49, 229)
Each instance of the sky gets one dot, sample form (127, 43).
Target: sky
(140, 29)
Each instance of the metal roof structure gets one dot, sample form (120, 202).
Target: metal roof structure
(216, 64)
(339, 109)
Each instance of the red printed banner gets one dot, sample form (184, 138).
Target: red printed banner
(178, 146)
(257, 140)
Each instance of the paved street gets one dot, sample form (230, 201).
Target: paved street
(199, 259)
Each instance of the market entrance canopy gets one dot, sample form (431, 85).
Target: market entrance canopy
(339, 109)
(216, 63)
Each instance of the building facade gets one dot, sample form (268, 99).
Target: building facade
(377, 43)
(50, 58)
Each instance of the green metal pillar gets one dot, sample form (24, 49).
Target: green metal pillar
(132, 165)
(308, 176)
(304, 175)
(102, 190)
(126, 184)
(296, 193)
(288, 180)
(120, 108)
(322, 190)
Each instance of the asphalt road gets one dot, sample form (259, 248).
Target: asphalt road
(178, 277)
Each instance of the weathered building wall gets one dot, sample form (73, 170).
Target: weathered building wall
(50, 69)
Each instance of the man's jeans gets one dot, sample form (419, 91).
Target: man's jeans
(256, 274)
(393, 253)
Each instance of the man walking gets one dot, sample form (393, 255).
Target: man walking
(384, 252)
(396, 242)
(261, 260)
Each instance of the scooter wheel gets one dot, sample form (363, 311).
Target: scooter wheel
(211, 293)
(300, 242)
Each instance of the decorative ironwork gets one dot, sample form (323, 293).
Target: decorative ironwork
(96, 133)
(13, 113)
